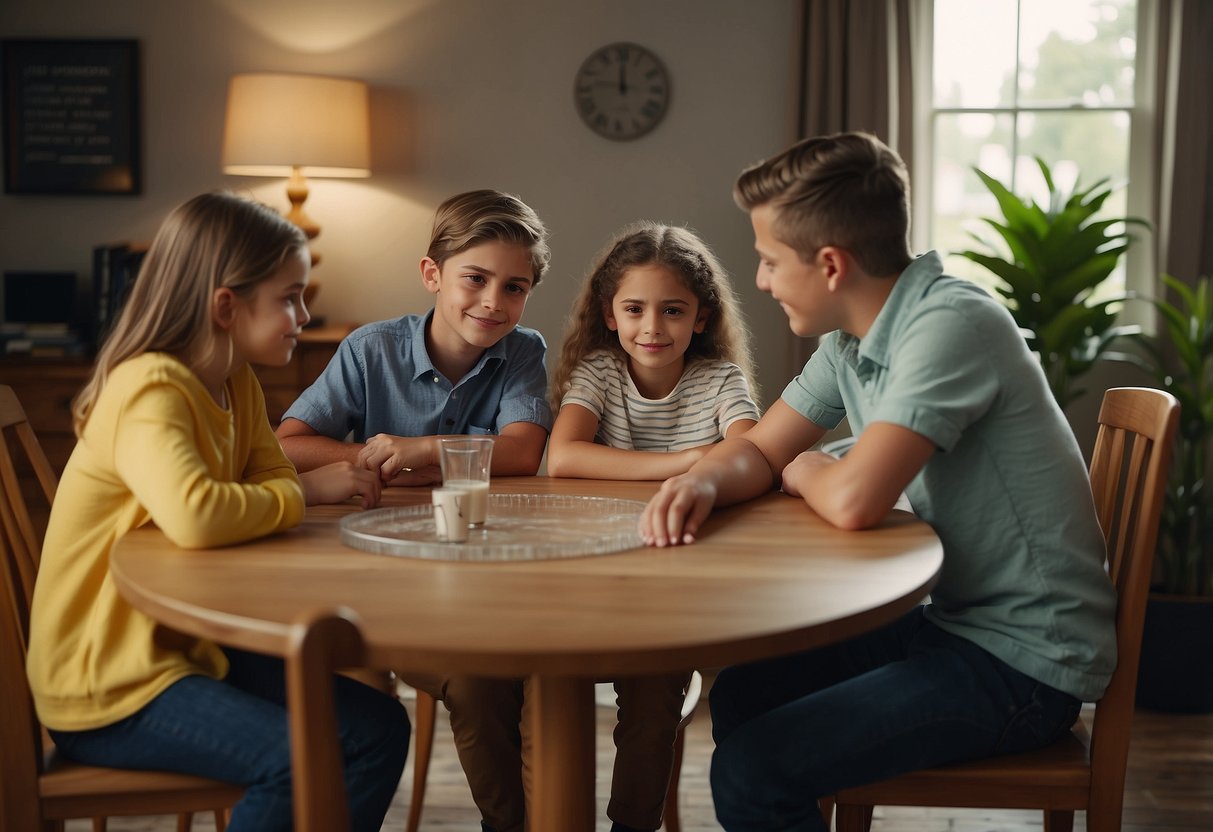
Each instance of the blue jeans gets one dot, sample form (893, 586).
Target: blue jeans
(236, 731)
(909, 696)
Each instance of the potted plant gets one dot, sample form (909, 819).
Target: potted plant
(1058, 255)
(1176, 672)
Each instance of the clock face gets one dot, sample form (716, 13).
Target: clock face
(622, 91)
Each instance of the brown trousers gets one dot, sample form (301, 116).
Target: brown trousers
(490, 721)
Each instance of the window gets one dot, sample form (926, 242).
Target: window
(1010, 80)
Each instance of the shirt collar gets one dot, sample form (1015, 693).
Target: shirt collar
(911, 285)
(424, 365)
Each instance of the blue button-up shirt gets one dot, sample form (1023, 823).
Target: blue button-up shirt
(382, 381)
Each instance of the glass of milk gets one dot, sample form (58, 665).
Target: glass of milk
(465, 466)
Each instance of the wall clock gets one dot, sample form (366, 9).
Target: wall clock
(622, 91)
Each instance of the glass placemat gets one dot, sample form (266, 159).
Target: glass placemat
(519, 527)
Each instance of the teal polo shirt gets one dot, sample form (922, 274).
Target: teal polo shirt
(1006, 489)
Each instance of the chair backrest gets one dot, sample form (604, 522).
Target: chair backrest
(320, 643)
(24, 542)
(21, 749)
(20, 733)
(1133, 451)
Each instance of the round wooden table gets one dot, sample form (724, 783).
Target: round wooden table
(766, 577)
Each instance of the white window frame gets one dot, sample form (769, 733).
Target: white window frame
(1141, 273)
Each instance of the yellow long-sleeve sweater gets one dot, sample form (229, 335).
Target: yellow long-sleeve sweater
(156, 447)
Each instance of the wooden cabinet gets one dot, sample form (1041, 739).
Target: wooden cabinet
(46, 386)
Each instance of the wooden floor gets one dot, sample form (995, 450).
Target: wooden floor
(1169, 788)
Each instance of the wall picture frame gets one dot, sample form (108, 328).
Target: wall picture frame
(71, 116)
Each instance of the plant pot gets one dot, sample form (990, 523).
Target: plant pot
(1176, 671)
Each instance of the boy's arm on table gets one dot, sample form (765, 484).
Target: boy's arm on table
(409, 460)
(572, 452)
(518, 449)
(308, 449)
(413, 460)
(859, 490)
(739, 468)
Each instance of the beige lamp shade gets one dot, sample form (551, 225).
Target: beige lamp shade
(296, 126)
(276, 123)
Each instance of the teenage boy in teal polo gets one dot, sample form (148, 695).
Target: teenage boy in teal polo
(950, 407)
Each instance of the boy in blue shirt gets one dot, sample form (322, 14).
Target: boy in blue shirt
(464, 368)
(950, 407)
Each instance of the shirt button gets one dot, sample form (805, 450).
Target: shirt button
(435, 379)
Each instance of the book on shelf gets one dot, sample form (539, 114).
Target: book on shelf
(115, 267)
(42, 340)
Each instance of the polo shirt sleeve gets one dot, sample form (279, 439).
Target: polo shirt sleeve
(524, 393)
(335, 402)
(815, 393)
(941, 377)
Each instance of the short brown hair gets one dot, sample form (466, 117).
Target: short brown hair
(469, 219)
(848, 190)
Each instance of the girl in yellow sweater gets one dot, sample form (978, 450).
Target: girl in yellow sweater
(172, 429)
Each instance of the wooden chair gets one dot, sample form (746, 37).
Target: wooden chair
(1084, 770)
(319, 644)
(39, 789)
(423, 731)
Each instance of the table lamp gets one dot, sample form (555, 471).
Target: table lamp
(297, 126)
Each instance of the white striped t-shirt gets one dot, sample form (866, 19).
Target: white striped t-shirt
(710, 396)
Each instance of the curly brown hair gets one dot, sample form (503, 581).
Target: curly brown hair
(645, 243)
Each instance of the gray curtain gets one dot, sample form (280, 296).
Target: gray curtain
(1185, 138)
(848, 49)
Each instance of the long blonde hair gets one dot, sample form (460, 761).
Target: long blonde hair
(725, 336)
(215, 240)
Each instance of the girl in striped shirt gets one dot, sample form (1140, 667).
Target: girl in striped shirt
(655, 369)
(655, 366)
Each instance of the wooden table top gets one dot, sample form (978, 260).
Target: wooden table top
(766, 577)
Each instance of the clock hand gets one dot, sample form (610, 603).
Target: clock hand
(623, 79)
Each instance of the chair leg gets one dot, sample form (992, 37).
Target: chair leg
(1060, 820)
(825, 805)
(670, 819)
(185, 822)
(99, 824)
(853, 818)
(222, 816)
(423, 731)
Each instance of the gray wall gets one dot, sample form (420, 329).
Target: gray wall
(465, 94)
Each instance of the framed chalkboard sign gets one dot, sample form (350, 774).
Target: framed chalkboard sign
(71, 116)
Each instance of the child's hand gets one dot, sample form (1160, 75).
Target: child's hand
(390, 456)
(677, 510)
(339, 481)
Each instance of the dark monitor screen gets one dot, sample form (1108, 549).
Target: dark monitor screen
(39, 297)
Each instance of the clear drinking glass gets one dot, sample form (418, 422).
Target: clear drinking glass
(465, 466)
